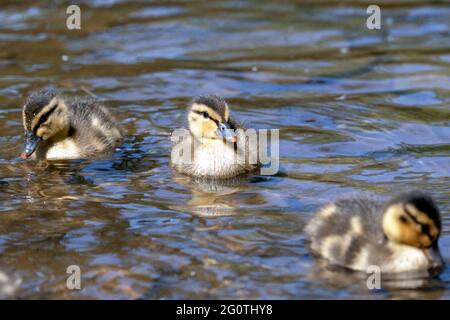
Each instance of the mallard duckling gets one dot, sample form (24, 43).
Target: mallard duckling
(213, 142)
(63, 128)
(399, 236)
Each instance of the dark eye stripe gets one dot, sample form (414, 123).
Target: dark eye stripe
(410, 215)
(201, 113)
(425, 228)
(44, 118)
(210, 118)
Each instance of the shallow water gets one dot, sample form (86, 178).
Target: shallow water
(358, 111)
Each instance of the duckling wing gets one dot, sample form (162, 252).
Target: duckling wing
(94, 129)
(347, 231)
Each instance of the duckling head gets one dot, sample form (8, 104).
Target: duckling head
(45, 116)
(412, 219)
(209, 119)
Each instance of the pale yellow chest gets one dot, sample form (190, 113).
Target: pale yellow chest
(65, 149)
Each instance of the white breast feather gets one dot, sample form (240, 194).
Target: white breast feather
(405, 258)
(215, 159)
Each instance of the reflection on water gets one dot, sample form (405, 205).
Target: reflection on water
(211, 197)
(358, 111)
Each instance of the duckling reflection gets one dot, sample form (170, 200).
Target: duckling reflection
(63, 128)
(398, 237)
(399, 285)
(212, 198)
(52, 186)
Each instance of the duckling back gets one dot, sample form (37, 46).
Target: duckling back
(93, 129)
(349, 233)
(341, 232)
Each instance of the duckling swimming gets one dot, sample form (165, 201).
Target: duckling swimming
(213, 141)
(399, 236)
(59, 128)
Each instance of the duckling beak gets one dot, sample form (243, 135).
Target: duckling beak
(224, 131)
(434, 257)
(31, 143)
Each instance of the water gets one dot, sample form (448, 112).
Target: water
(358, 111)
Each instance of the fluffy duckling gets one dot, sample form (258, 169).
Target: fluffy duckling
(213, 142)
(399, 236)
(59, 128)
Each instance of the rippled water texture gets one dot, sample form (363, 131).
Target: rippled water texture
(358, 111)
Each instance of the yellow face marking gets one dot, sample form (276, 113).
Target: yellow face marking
(57, 124)
(44, 110)
(401, 228)
(423, 218)
(201, 127)
(41, 131)
(208, 128)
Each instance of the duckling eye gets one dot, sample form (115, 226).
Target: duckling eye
(44, 118)
(403, 219)
(425, 229)
(205, 115)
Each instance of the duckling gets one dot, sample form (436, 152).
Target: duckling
(58, 128)
(399, 236)
(216, 142)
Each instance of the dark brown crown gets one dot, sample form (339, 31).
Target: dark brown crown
(423, 202)
(35, 102)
